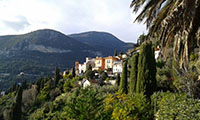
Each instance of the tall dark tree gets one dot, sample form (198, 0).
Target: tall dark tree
(13, 88)
(124, 82)
(57, 76)
(134, 72)
(104, 75)
(16, 110)
(24, 84)
(118, 79)
(89, 74)
(146, 78)
(89, 67)
(115, 52)
(141, 39)
(73, 72)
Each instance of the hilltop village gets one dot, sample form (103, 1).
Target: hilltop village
(111, 66)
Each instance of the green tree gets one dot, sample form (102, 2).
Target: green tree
(89, 74)
(57, 76)
(24, 84)
(175, 106)
(134, 72)
(115, 52)
(118, 79)
(73, 72)
(123, 82)
(16, 110)
(86, 106)
(121, 106)
(146, 78)
(174, 22)
(89, 67)
(104, 75)
(44, 94)
(13, 88)
(67, 85)
(141, 39)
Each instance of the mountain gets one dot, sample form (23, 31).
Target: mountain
(103, 42)
(39, 52)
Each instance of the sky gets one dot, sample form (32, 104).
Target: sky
(70, 16)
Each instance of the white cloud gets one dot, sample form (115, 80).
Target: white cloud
(18, 23)
(69, 16)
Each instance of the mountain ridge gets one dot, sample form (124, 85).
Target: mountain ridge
(39, 52)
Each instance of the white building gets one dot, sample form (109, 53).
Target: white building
(64, 73)
(3, 93)
(124, 56)
(86, 83)
(82, 68)
(117, 67)
(157, 52)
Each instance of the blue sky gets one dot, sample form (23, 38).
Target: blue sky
(70, 16)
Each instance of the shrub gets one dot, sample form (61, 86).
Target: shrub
(67, 85)
(86, 106)
(126, 107)
(175, 106)
(44, 94)
(194, 57)
(89, 74)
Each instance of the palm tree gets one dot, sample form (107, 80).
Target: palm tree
(173, 21)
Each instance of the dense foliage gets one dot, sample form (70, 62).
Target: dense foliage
(146, 77)
(133, 74)
(124, 80)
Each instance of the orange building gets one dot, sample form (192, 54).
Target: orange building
(109, 62)
(99, 63)
(77, 67)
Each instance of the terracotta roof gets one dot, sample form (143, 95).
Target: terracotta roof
(156, 49)
(111, 57)
(99, 58)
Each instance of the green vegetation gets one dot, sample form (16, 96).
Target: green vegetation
(23, 53)
(146, 81)
(168, 88)
(118, 80)
(123, 81)
(89, 74)
(121, 106)
(115, 52)
(175, 106)
(85, 105)
(133, 73)
(16, 109)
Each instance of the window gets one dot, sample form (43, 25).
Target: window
(108, 61)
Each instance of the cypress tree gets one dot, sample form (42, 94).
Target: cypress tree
(73, 72)
(115, 52)
(89, 67)
(16, 111)
(134, 72)
(42, 84)
(57, 75)
(13, 88)
(24, 84)
(146, 79)
(118, 79)
(123, 81)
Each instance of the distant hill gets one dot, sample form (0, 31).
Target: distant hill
(39, 52)
(103, 42)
